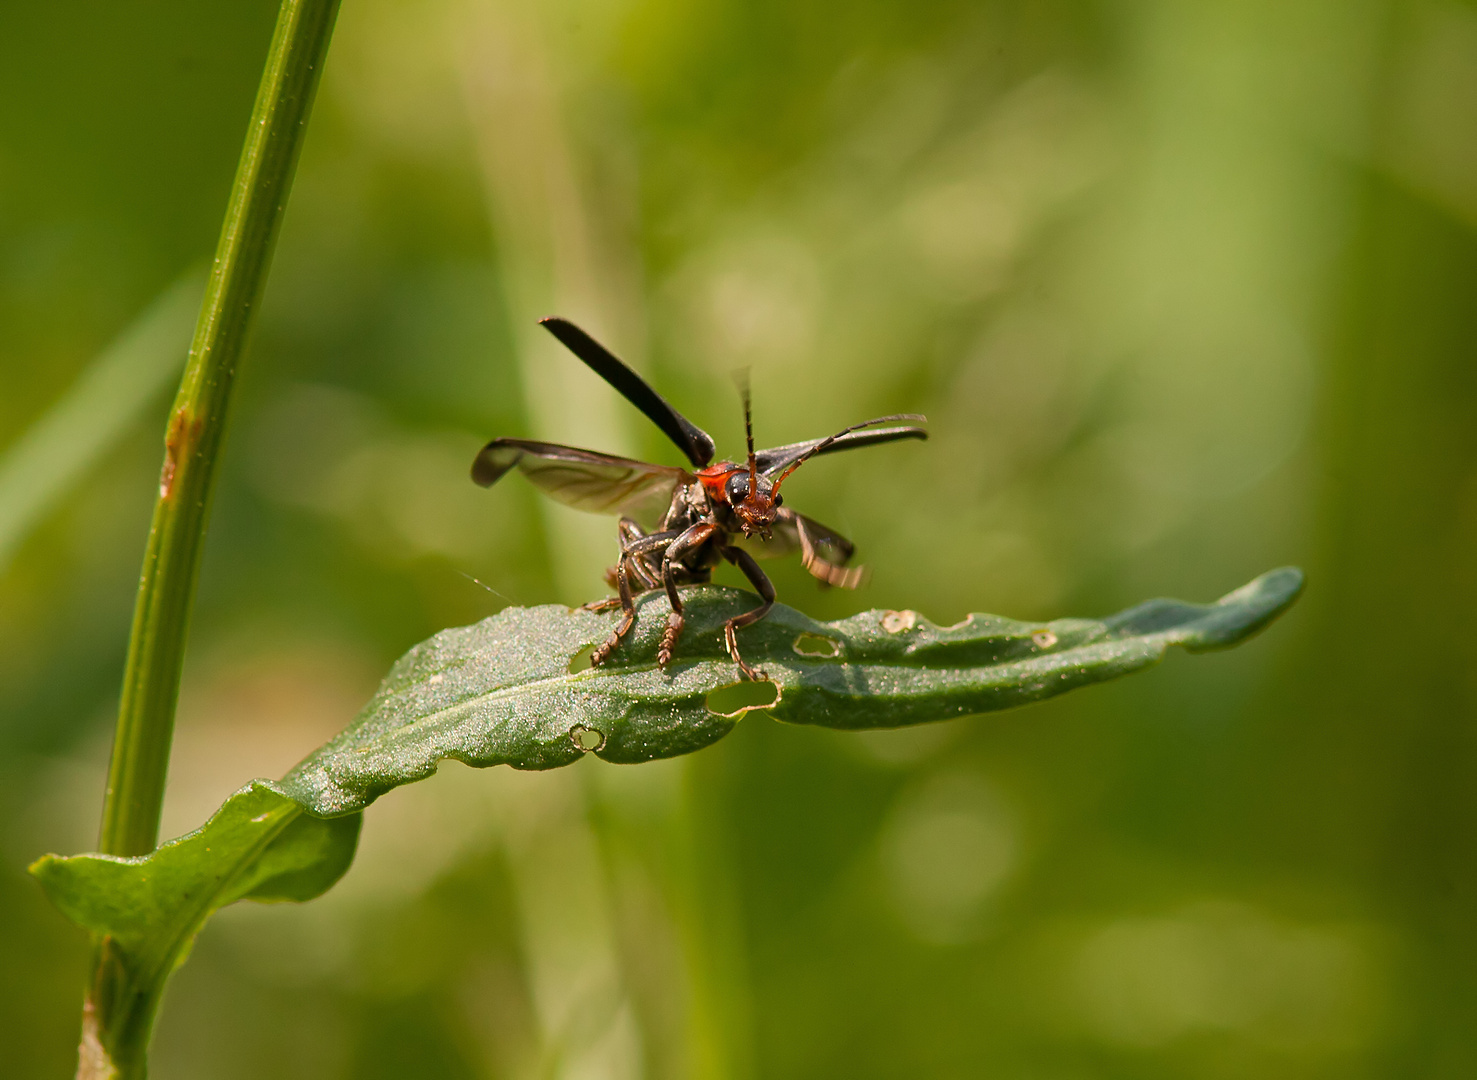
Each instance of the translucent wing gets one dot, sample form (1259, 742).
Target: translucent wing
(583, 479)
(778, 458)
(823, 551)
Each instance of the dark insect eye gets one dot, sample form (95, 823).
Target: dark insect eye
(779, 500)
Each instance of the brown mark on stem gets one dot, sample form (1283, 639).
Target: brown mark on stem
(93, 1062)
(179, 442)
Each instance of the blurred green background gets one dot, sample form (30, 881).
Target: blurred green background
(1187, 290)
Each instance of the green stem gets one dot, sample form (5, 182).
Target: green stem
(197, 421)
(119, 1034)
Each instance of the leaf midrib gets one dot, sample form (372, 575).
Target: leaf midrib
(1048, 664)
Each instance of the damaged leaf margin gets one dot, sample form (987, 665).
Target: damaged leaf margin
(501, 693)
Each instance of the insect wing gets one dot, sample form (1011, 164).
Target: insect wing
(780, 458)
(836, 546)
(692, 440)
(583, 479)
(823, 550)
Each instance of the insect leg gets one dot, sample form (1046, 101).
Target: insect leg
(693, 537)
(627, 532)
(629, 558)
(646, 571)
(628, 616)
(745, 562)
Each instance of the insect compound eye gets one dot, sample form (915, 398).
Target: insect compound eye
(779, 500)
(738, 487)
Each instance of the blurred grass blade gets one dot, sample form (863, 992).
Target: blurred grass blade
(96, 411)
(502, 692)
(147, 910)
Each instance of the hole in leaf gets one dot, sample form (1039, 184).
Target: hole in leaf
(895, 622)
(581, 660)
(587, 738)
(735, 699)
(1043, 639)
(808, 644)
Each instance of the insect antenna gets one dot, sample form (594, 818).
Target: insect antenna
(818, 447)
(741, 378)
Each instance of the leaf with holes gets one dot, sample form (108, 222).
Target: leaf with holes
(509, 690)
(513, 690)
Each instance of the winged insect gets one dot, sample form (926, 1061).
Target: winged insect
(712, 512)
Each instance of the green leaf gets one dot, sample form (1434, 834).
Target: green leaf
(260, 845)
(511, 690)
(147, 909)
(502, 691)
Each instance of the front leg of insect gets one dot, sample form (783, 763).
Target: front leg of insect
(757, 578)
(689, 541)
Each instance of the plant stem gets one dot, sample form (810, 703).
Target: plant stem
(135, 792)
(196, 423)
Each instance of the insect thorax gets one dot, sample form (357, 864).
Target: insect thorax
(689, 506)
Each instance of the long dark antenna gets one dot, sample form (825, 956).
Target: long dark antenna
(692, 440)
(821, 446)
(741, 377)
(777, 458)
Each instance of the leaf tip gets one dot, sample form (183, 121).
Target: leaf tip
(42, 870)
(1246, 611)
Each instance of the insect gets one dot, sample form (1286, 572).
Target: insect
(713, 512)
